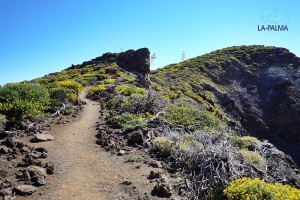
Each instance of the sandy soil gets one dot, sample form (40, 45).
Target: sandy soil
(85, 171)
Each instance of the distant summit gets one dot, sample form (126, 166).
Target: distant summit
(131, 61)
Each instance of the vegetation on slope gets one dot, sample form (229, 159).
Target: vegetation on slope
(181, 119)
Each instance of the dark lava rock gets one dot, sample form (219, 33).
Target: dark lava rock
(5, 134)
(36, 171)
(29, 160)
(154, 175)
(9, 142)
(3, 173)
(6, 192)
(136, 62)
(264, 99)
(161, 190)
(50, 168)
(136, 138)
(23, 175)
(25, 189)
(39, 181)
(261, 92)
(4, 150)
(154, 164)
(127, 183)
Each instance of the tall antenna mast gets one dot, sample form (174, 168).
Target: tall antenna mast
(183, 56)
(152, 59)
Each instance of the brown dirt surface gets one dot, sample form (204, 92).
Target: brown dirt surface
(83, 170)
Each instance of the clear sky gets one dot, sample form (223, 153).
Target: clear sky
(38, 37)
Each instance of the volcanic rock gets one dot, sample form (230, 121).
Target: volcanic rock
(25, 189)
(42, 137)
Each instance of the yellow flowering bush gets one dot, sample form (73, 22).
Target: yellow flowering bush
(60, 95)
(23, 100)
(109, 80)
(97, 89)
(127, 89)
(255, 189)
(130, 122)
(70, 84)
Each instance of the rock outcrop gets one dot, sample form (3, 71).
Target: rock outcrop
(265, 97)
(138, 63)
(133, 61)
(256, 87)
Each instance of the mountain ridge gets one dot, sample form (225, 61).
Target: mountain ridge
(203, 122)
(258, 86)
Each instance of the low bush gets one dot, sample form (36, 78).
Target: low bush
(133, 159)
(130, 122)
(239, 142)
(243, 142)
(187, 142)
(97, 89)
(251, 139)
(254, 158)
(129, 79)
(255, 189)
(128, 90)
(60, 95)
(70, 84)
(109, 80)
(100, 77)
(164, 145)
(112, 69)
(69, 111)
(189, 116)
(23, 100)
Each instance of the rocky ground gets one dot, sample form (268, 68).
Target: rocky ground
(83, 170)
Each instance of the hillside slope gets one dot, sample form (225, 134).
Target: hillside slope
(193, 122)
(255, 89)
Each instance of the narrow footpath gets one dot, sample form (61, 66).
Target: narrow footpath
(85, 171)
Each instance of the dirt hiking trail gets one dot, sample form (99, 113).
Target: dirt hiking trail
(85, 171)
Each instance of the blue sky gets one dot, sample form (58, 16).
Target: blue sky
(38, 37)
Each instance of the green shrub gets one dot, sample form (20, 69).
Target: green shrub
(42, 116)
(134, 124)
(70, 84)
(23, 100)
(130, 122)
(243, 142)
(187, 142)
(250, 139)
(133, 159)
(164, 145)
(121, 74)
(60, 95)
(97, 89)
(190, 116)
(112, 69)
(255, 189)
(100, 77)
(109, 80)
(254, 158)
(239, 142)
(128, 90)
(129, 79)
(69, 111)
